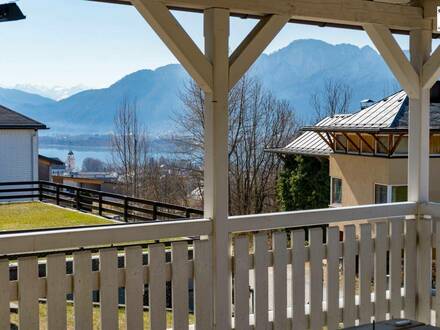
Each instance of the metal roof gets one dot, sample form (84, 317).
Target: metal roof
(10, 119)
(388, 114)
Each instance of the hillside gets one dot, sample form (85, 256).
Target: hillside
(292, 73)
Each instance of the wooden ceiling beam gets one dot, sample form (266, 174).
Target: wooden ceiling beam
(366, 142)
(253, 46)
(394, 57)
(344, 12)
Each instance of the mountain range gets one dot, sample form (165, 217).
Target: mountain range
(292, 73)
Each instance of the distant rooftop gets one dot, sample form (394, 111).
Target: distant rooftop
(388, 115)
(10, 119)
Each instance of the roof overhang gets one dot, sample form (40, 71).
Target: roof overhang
(400, 16)
(37, 127)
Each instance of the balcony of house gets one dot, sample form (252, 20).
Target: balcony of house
(281, 273)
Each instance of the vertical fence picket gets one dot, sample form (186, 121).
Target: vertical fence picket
(410, 266)
(179, 284)
(261, 262)
(396, 268)
(108, 290)
(365, 273)
(203, 284)
(333, 256)
(134, 288)
(157, 287)
(28, 309)
(424, 269)
(298, 280)
(4, 295)
(437, 273)
(279, 280)
(316, 279)
(241, 282)
(56, 291)
(380, 271)
(82, 292)
(349, 275)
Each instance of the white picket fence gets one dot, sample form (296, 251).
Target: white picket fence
(280, 279)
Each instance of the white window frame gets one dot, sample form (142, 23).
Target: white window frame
(331, 192)
(389, 190)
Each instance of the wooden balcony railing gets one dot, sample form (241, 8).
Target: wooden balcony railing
(123, 207)
(279, 280)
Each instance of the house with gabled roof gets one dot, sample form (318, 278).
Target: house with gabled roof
(368, 150)
(18, 146)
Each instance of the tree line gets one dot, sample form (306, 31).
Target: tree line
(259, 181)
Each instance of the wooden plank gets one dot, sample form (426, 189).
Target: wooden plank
(56, 291)
(82, 290)
(179, 282)
(253, 45)
(410, 265)
(241, 282)
(157, 287)
(4, 295)
(28, 309)
(280, 279)
(108, 288)
(298, 280)
(424, 270)
(396, 267)
(380, 271)
(261, 264)
(365, 273)
(333, 255)
(349, 315)
(203, 284)
(316, 278)
(437, 273)
(134, 288)
(394, 57)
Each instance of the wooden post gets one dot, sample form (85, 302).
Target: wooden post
(57, 195)
(40, 191)
(125, 209)
(78, 202)
(100, 204)
(154, 211)
(418, 169)
(216, 161)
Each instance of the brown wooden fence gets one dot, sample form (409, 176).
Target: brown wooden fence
(112, 205)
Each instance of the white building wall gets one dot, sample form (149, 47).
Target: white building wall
(18, 155)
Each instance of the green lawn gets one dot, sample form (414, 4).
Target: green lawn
(96, 318)
(32, 215)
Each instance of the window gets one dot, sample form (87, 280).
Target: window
(390, 194)
(399, 194)
(364, 146)
(380, 194)
(342, 143)
(381, 148)
(355, 139)
(336, 193)
(402, 148)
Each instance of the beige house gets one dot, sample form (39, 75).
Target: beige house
(368, 151)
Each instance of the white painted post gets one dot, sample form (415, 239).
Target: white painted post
(418, 166)
(216, 160)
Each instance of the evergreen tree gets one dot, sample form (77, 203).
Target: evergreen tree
(304, 183)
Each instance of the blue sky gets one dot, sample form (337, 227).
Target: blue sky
(77, 42)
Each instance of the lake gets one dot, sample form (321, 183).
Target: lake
(81, 152)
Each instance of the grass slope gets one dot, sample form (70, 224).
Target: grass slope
(32, 215)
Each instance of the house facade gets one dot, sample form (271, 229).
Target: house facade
(368, 151)
(18, 146)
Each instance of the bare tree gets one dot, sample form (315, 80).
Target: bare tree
(257, 121)
(130, 148)
(334, 98)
